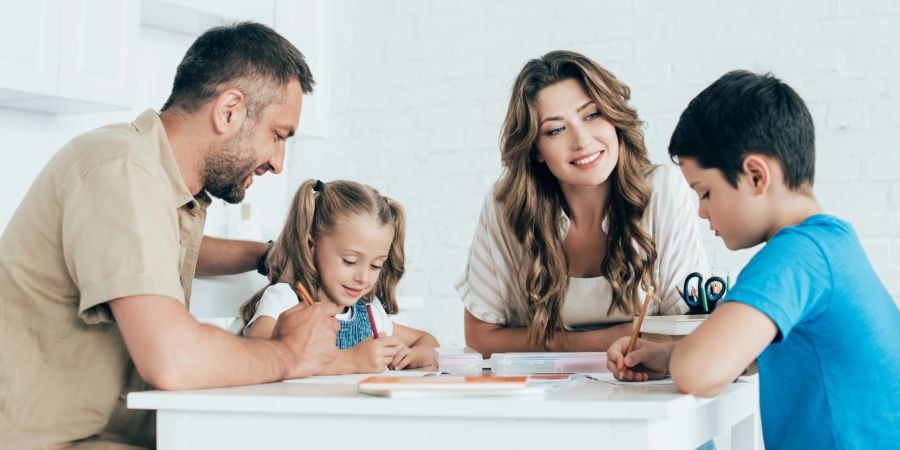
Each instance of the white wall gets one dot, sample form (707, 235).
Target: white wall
(421, 88)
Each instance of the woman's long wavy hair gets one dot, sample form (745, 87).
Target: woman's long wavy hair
(314, 214)
(532, 199)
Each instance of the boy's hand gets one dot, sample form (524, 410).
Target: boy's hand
(402, 359)
(374, 355)
(647, 361)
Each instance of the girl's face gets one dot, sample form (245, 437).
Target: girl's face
(349, 258)
(579, 146)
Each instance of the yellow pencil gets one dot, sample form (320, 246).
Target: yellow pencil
(303, 293)
(637, 327)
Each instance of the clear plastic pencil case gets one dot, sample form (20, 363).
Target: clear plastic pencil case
(537, 363)
(458, 360)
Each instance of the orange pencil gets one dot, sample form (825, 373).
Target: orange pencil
(637, 328)
(303, 293)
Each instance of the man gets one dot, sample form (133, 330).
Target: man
(97, 262)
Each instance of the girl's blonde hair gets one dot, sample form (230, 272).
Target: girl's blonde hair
(532, 199)
(315, 210)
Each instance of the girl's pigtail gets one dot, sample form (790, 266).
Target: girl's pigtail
(291, 257)
(395, 265)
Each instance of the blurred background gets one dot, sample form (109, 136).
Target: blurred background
(411, 95)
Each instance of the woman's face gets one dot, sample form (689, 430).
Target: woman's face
(579, 146)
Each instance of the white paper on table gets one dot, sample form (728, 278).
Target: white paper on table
(356, 377)
(607, 377)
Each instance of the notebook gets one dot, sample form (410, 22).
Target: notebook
(672, 325)
(449, 386)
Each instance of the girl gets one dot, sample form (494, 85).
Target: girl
(580, 222)
(343, 242)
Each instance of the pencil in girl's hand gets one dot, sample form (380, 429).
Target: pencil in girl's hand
(304, 293)
(372, 320)
(637, 327)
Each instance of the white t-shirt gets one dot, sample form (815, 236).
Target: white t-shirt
(491, 291)
(281, 297)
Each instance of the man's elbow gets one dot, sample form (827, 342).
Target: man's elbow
(165, 374)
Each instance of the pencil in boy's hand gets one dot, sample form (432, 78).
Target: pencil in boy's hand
(372, 320)
(637, 327)
(303, 293)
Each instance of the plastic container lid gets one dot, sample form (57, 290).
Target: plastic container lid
(536, 363)
(458, 360)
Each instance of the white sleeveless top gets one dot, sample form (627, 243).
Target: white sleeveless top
(491, 291)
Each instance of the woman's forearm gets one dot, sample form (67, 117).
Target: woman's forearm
(515, 339)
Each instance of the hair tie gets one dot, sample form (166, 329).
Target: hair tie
(319, 187)
(386, 200)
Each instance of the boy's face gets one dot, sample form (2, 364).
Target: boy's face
(737, 215)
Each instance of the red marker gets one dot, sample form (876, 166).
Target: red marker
(372, 320)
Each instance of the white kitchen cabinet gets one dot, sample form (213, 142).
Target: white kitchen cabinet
(303, 22)
(68, 56)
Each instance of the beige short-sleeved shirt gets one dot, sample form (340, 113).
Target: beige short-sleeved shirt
(492, 289)
(108, 217)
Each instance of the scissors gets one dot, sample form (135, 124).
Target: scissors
(702, 298)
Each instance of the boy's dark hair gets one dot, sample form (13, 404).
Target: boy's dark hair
(248, 56)
(743, 113)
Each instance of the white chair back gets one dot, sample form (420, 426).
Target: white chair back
(217, 299)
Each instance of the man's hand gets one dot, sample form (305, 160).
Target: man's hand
(309, 333)
(647, 361)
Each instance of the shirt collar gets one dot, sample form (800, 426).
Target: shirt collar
(151, 128)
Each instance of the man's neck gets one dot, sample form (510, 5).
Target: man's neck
(187, 147)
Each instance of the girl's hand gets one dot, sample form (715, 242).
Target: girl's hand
(647, 361)
(402, 358)
(374, 355)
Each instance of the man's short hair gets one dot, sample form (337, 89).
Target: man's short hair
(248, 56)
(743, 113)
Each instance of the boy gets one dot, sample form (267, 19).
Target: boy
(809, 305)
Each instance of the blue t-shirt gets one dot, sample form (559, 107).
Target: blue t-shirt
(831, 377)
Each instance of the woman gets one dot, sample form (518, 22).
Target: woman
(579, 224)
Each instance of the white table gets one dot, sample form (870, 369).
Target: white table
(588, 414)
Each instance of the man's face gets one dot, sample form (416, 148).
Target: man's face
(254, 149)
(732, 212)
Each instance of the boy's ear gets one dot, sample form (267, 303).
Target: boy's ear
(758, 173)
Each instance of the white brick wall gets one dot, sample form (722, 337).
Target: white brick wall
(421, 87)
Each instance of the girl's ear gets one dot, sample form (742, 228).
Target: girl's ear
(312, 246)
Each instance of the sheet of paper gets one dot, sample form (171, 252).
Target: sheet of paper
(608, 378)
(356, 377)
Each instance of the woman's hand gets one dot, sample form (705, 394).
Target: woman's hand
(647, 361)
(374, 355)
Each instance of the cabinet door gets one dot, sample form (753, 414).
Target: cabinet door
(305, 24)
(96, 50)
(29, 46)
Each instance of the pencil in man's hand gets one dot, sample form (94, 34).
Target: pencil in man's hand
(303, 293)
(637, 327)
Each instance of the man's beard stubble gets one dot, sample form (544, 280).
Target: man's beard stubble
(225, 171)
